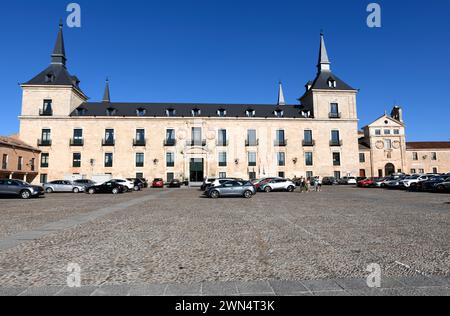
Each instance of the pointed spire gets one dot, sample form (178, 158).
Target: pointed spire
(324, 62)
(59, 52)
(281, 99)
(107, 95)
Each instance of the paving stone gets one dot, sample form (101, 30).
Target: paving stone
(148, 290)
(82, 291)
(183, 289)
(322, 285)
(331, 293)
(254, 288)
(421, 281)
(361, 284)
(42, 291)
(219, 289)
(435, 291)
(11, 291)
(112, 290)
(288, 287)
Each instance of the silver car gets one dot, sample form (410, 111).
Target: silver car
(63, 186)
(232, 188)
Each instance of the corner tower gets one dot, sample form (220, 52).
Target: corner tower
(54, 91)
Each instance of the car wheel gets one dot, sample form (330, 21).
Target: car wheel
(49, 190)
(137, 188)
(268, 189)
(76, 190)
(291, 189)
(440, 188)
(248, 194)
(91, 191)
(25, 194)
(115, 191)
(215, 194)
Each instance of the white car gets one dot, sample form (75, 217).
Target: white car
(348, 181)
(126, 183)
(279, 185)
(412, 181)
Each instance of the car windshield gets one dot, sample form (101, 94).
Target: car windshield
(412, 178)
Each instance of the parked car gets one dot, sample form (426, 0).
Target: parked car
(207, 183)
(219, 182)
(21, 189)
(412, 181)
(130, 185)
(174, 184)
(262, 182)
(138, 184)
(232, 188)
(394, 183)
(379, 182)
(112, 187)
(158, 183)
(348, 181)
(279, 185)
(443, 187)
(63, 186)
(366, 183)
(431, 184)
(330, 181)
(84, 182)
(142, 183)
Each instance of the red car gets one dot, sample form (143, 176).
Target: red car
(366, 183)
(261, 182)
(158, 183)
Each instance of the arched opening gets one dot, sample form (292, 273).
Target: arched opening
(389, 170)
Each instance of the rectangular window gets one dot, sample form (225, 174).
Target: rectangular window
(139, 175)
(222, 159)
(362, 157)
(309, 174)
(252, 175)
(281, 159)
(337, 175)
(396, 132)
(335, 138)
(387, 144)
(378, 132)
(170, 176)
(170, 160)
(109, 160)
(20, 164)
(222, 137)
(334, 110)
(435, 170)
(421, 171)
(434, 157)
(33, 164)
(309, 159)
(387, 132)
(109, 137)
(45, 159)
(415, 156)
(170, 137)
(140, 160)
(140, 136)
(280, 138)
(251, 138)
(197, 136)
(5, 162)
(413, 171)
(308, 138)
(222, 175)
(281, 174)
(76, 161)
(252, 159)
(43, 178)
(77, 137)
(46, 137)
(336, 159)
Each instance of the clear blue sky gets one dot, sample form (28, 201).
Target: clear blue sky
(235, 51)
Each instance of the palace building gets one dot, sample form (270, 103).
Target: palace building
(318, 136)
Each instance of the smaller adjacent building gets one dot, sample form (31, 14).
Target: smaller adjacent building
(383, 150)
(18, 160)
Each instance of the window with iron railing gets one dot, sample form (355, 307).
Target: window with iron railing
(140, 160)
(45, 159)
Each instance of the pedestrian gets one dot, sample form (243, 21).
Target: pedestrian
(308, 185)
(316, 184)
(319, 184)
(302, 184)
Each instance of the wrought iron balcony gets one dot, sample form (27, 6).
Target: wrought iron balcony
(336, 143)
(139, 142)
(79, 142)
(196, 143)
(108, 142)
(222, 143)
(252, 143)
(309, 143)
(44, 143)
(334, 115)
(280, 143)
(43, 112)
(170, 142)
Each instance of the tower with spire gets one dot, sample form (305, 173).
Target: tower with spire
(54, 85)
(281, 99)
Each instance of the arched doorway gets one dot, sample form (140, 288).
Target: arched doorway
(389, 170)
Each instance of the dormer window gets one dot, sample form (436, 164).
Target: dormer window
(196, 112)
(332, 83)
(49, 78)
(250, 113)
(171, 112)
(141, 112)
(111, 111)
(221, 113)
(279, 113)
(81, 111)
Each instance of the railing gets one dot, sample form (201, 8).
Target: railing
(222, 143)
(252, 143)
(334, 115)
(196, 143)
(280, 143)
(336, 143)
(77, 142)
(139, 142)
(45, 112)
(44, 143)
(108, 142)
(309, 143)
(44, 165)
(170, 142)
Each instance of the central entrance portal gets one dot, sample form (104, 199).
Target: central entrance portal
(197, 173)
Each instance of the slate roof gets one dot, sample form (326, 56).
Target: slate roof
(185, 109)
(427, 145)
(321, 82)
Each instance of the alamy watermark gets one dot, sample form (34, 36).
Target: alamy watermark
(74, 18)
(374, 18)
(74, 277)
(374, 279)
